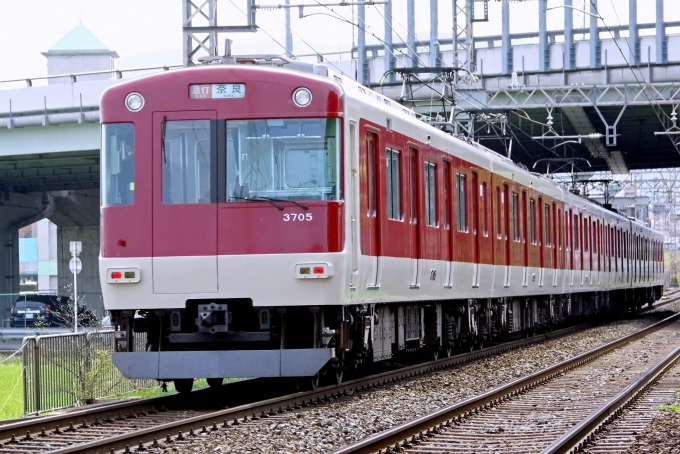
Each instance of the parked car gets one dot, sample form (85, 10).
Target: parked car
(48, 310)
(29, 313)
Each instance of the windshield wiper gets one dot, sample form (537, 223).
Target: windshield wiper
(301, 205)
(257, 199)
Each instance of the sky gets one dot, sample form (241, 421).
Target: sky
(148, 33)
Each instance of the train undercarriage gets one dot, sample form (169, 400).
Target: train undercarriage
(328, 342)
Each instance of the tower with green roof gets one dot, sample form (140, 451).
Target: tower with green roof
(79, 51)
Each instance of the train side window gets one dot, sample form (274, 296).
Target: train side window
(393, 163)
(430, 194)
(515, 216)
(461, 208)
(186, 161)
(372, 139)
(413, 187)
(585, 235)
(485, 210)
(546, 225)
(532, 221)
(118, 152)
(499, 220)
(577, 242)
(559, 228)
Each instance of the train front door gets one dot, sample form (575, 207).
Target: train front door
(184, 242)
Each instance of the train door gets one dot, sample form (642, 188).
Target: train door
(542, 238)
(448, 219)
(573, 238)
(354, 202)
(414, 224)
(475, 228)
(556, 236)
(372, 240)
(525, 242)
(506, 200)
(184, 242)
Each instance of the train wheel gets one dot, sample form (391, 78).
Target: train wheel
(314, 382)
(214, 382)
(184, 385)
(337, 375)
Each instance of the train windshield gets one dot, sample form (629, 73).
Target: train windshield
(286, 159)
(118, 153)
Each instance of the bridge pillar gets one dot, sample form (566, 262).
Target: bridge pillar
(362, 63)
(411, 29)
(16, 211)
(569, 54)
(506, 45)
(543, 48)
(434, 24)
(633, 33)
(661, 39)
(390, 60)
(76, 214)
(595, 44)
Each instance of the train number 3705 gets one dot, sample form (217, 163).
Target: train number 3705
(297, 217)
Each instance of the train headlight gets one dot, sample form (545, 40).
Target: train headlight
(123, 275)
(302, 97)
(134, 102)
(314, 270)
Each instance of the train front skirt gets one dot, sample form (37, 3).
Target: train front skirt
(303, 362)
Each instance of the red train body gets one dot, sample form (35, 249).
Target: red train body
(270, 222)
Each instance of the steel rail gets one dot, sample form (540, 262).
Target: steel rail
(435, 422)
(218, 420)
(578, 437)
(91, 412)
(34, 425)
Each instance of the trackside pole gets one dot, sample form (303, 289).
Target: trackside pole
(75, 265)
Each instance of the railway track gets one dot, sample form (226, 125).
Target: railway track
(570, 400)
(116, 426)
(127, 424)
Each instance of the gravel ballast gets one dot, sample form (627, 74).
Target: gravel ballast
(329, 426)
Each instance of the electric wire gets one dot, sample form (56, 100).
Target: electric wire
(298, 36)
(265, 31)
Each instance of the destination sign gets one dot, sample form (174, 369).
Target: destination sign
(217, 91)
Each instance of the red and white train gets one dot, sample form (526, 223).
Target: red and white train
(271, 222)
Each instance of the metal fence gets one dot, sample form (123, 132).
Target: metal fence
(63, 370)
(92, 301)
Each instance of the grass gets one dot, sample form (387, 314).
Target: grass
(11, 390)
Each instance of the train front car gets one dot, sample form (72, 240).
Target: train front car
(222, 223)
